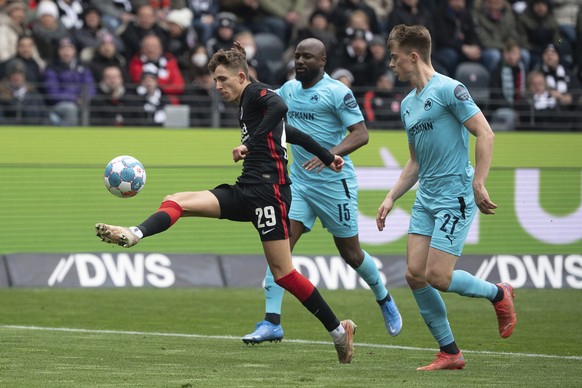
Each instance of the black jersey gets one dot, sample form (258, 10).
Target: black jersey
(261, 114)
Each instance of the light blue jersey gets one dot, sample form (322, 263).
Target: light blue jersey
(324, 111)
(434, 121)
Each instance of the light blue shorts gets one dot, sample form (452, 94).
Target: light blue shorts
(446, 220)
(334, 203)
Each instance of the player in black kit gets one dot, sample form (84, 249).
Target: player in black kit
(261, 194)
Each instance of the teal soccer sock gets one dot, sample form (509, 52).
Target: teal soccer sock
(369, 272)
(465, 284)
(273, 294)
(434, 312)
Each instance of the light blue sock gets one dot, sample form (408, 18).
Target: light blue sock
(465, 284)
(369, 272)
(434, 312)
(273, 294)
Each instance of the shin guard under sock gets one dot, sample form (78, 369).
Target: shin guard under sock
(166, 216)
(302, 289)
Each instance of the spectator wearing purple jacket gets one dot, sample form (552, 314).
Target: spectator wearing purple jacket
(67, 84)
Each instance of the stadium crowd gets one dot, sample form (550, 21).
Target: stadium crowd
(123, 62)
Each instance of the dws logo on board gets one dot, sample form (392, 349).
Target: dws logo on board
(119, 269)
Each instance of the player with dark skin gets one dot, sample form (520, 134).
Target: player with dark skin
(326, 110)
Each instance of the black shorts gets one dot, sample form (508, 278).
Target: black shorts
(265, 205)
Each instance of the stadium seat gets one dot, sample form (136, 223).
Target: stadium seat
(476, 78)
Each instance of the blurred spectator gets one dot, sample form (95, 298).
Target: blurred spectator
(382, 9)
(47, 30)
(255, 59)
(114, 13)
(455, 36)
(541, 28)
(543, 107)
(27, 53)
(153, 59)
(495, 24)
(380, 59)
(411, 12)
(182, 36)
(87, 37)
(356, 58)
(258, 16)
(198, 63)
(381, 105)
(67, 84)
(20, 103)
(161, 8)
(150, 101)
(112, 105)
(343, 10)
(71, 13)
(201, 94)
(12, 25)
(565, 12)
(105, 55)
(145, 23)
(344, 76)
(562, 86)
(508, 81)
(319, 28)
(223, 37)
(204, 17)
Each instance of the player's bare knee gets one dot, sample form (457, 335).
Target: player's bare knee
(415, 280)
(438, 281)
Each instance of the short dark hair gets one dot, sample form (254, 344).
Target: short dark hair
(411, 38)
(231, 59)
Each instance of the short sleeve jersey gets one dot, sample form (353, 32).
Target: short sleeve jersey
(324, 112)
(261, 115)
(433, 120)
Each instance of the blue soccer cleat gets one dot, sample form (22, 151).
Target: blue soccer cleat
(392, 317)
(264, 331)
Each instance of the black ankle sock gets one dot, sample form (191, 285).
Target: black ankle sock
(388, 298)
(450, 348)
(275, 319)
(499, 295)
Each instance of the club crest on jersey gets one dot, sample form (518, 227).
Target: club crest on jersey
(462, 93)
(314, 98)
(350, 101)
(428, 104)
(263, 92)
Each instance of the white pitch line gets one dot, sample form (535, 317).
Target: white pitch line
(296, 341)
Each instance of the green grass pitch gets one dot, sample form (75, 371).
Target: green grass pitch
(191, 338)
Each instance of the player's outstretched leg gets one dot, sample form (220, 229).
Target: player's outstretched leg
(264, 331)
(446, 361)
(506, 316)
(119, 235)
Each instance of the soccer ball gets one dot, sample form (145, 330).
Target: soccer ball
(124, 176)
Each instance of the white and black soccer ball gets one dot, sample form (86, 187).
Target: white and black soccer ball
(124, 176)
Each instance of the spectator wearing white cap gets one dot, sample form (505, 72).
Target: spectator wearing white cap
(182, 36)
(47, 30)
